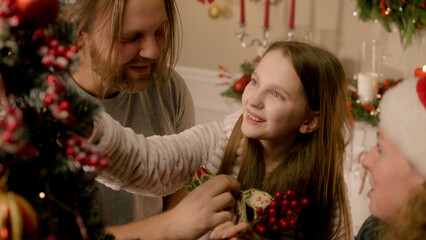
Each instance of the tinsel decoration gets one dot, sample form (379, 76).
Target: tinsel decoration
(43, 161)
(409, 16)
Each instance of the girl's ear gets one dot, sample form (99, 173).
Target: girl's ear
(310, 124)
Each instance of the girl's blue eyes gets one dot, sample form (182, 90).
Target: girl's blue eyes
(276, 94)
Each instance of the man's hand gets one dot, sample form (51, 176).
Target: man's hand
(229, 230)
(207, 206)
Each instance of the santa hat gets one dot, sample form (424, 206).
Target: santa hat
(403, 118)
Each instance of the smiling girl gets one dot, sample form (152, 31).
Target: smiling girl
(289, 134)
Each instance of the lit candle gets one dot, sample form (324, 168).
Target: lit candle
(291, 23)
(242, 14)
(420, 72)
(368, 86)
(266, 14)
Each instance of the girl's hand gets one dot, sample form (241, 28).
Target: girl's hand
(229, 230)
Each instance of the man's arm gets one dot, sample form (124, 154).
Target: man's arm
(200, 211)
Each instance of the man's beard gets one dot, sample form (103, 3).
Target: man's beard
(117, 77)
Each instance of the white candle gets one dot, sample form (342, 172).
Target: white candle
(368, 87)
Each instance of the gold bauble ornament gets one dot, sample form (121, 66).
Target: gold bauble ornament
(215, 11)
(18, 219)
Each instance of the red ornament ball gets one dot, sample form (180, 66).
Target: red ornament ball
(239, 87)
(289, 193)
(48, 99)
(260, 228)
(274, 204)
(7, 137)
(294, 203)
(289, 212)
(304, 201)
(272, 211)
(275, 228)
(293, 222)
(279, 195)
(285, 203)
(284, 223)
(103, 163)
(37, 12)
(272, 220)
(245, 79)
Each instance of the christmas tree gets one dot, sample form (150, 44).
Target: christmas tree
(47, 171)
(409, 16)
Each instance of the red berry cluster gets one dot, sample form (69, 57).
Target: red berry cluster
(86, 154)
(280, 214)
(10, 124)
(32, 12)
(10, 12)
(53, 53)
(60, 108)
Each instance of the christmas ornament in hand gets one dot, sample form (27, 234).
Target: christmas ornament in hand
(265, 214)
(271, 214)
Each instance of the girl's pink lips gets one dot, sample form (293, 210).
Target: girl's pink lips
(253, 118)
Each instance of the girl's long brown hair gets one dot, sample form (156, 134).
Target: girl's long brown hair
(313, 168)
(84, 13)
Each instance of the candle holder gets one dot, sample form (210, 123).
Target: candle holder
(263, 43)
(290, 34)
(368, 71)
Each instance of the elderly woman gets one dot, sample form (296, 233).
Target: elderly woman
(397, 166)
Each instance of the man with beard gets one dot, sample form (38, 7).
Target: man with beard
(128, 50)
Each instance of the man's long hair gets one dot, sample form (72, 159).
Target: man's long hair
(85, 13)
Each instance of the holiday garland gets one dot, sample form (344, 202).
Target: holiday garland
(47, 172)
(408, 15)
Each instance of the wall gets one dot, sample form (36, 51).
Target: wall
(209, 42)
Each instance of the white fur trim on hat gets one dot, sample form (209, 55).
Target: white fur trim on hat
(403, 118)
